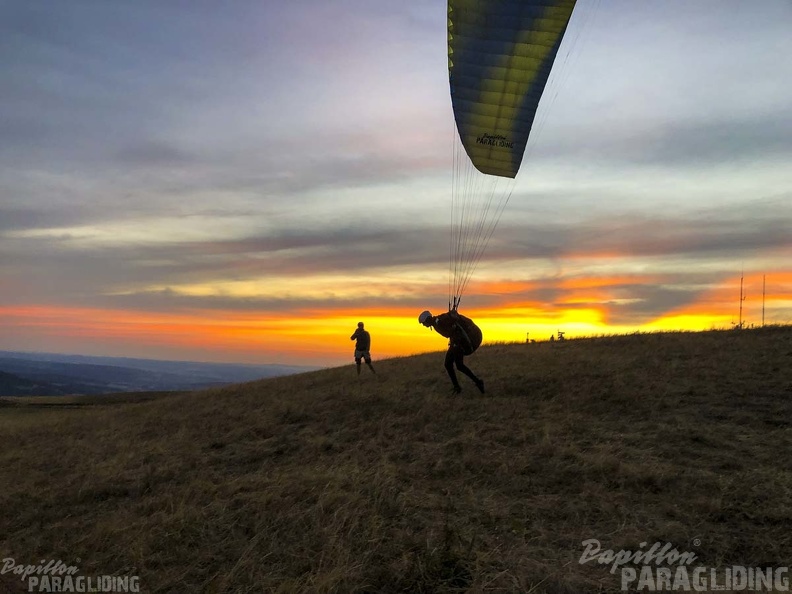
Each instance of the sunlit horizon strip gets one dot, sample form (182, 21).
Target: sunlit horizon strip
(320, 336)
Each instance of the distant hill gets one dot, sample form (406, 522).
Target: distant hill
(331, 482)
(11, 384)
(77, 374)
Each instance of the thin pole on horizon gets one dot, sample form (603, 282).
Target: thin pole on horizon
(742, 298)
(763, 298)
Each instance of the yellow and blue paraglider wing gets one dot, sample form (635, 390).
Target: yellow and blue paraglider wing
(500, 53)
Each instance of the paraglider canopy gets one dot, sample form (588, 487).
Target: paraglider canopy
(500, 54)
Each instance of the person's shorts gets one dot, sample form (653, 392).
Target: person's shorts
(362, 355)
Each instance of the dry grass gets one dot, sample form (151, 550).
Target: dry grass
(324, 482)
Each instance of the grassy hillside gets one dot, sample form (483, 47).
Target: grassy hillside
(324, 482)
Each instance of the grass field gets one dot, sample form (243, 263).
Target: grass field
(326, 482)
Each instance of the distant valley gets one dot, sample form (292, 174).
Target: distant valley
(45, 374)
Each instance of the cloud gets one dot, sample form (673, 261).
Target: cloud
(155, 154)
(677, 144)
(19, 218)
(736, 232)
(379, 256)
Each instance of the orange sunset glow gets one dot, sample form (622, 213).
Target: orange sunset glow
(321, 336)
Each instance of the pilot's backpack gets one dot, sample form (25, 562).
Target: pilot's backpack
(471, 339)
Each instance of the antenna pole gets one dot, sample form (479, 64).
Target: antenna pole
(763, 298)
(742, 298)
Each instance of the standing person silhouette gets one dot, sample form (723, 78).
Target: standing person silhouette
(464, 337)
(362, 347)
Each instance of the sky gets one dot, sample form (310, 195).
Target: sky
(245, 181)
